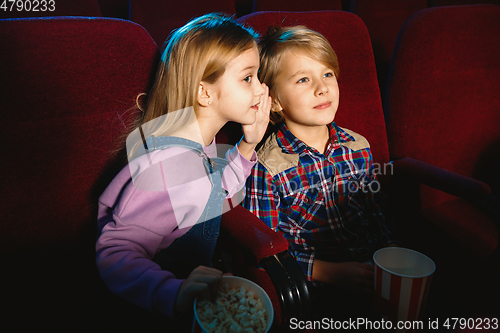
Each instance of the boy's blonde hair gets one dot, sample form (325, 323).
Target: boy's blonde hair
(277, 42)
(197, 52)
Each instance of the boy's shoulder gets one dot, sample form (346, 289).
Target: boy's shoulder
(358, 143)
(275, 160)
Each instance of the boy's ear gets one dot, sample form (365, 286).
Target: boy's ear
(276, 105)
(203, 96)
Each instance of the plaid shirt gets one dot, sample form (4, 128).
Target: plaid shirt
(324, 204)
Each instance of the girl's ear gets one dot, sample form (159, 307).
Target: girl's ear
(203, 96)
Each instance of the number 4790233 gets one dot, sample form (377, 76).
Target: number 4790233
(471, 323)
(28, 6)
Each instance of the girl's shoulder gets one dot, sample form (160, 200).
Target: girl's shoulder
(167, 166)
(156, 170)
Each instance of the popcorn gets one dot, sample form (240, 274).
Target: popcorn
(234, 310)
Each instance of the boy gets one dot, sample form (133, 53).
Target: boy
(314, 181)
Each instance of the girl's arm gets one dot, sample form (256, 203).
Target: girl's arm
(125, 266)
(138, 218)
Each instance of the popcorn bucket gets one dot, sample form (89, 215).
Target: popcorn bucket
(402, 282)
(235, 282)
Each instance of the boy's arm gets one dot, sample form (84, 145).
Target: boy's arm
(345, 275)
(385, 226)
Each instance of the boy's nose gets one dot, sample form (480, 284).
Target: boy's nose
(321, 89)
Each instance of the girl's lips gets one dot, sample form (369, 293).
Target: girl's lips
(255, 107)
(323, 106)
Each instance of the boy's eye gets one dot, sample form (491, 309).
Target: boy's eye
(248, 78)
(304, 79)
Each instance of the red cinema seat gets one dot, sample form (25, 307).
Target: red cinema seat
(360, 107)
(160, 17)
(67, 87)
(384, 18)
(443, 123)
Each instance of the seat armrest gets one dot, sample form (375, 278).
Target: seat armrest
(441, 179)
(291, 287)
(460, 186)
(253, 236)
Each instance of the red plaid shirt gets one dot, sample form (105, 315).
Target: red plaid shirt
(326, 205)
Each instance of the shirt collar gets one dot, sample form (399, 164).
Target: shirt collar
(290, 144)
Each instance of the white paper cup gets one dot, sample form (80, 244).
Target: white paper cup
(235, 282)
(402, 282)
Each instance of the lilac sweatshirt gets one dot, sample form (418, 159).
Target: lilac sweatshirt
(151, 202)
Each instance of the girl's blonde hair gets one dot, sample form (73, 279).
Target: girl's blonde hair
(277, 42)
(197, 52)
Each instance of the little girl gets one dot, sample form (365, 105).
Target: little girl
(159, 218)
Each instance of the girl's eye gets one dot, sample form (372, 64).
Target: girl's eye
(248, 78)
(328, 74)
(304, 79)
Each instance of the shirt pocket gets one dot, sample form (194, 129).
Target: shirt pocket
(305, 208)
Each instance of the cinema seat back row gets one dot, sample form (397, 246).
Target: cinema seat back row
(69, 87)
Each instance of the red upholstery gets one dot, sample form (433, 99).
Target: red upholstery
(241, 232)
(67, 85)
(442, 109)
(55, 8)
(384, 18)
(360, 108)
(443, 101)
(160, 17)
(242, 225)
(296, 5)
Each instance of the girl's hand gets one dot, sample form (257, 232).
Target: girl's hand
(353, 276)
(252, 134)
(202, 281)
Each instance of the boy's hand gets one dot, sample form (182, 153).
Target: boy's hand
(252, 134)
(202, 281)
(353, 276)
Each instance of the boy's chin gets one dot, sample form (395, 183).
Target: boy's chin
(325, 122)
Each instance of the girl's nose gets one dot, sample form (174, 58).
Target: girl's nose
(261, 88)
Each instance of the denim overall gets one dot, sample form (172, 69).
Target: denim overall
(195, 247)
